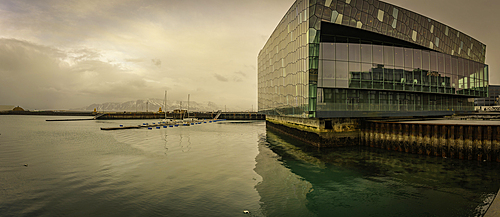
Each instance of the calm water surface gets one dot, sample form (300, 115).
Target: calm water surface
(221, 169)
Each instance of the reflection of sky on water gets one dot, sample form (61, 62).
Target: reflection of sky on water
(360, 181)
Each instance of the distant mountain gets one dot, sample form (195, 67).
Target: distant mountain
(6, 107)
(152, 105)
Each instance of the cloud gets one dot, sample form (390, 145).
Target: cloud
(36, 76)
(67, 54)
(156, 62)
(132, 60)
(220, 78)
(41, 77)
(241, 73)
(251, 67)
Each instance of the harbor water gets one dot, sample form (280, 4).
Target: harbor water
(72, 168)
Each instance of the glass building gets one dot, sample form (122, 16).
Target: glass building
(492, 99)
(360, 58)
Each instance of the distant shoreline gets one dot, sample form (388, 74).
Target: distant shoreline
(55, 113)
(142, 115)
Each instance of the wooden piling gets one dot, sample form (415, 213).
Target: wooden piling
(406, 139)
(451, 142)
(487, 143)
(420, 139)
(443, 143)
(398, 146)
(428, 144)
(468, 142)
(478, 143)
(461, 143)
(413, 140)
(435, 140)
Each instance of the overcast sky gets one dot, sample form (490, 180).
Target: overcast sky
(62, 54)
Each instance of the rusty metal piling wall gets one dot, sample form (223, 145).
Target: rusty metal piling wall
(466, 142)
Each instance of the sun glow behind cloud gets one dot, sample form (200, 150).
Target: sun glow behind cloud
(57, 54)
(66, 54)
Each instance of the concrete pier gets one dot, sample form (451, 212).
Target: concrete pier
(335, 132)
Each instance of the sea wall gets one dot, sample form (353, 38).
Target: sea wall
(462, 141)
(466, 140)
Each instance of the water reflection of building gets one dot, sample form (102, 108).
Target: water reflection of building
(298, 181)
(281, 191)
(338, 58)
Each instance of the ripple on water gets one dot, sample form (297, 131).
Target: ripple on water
(75, 169)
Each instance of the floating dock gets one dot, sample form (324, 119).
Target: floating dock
(86, 119)
(164, 124)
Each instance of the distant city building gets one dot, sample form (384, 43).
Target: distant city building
(359, 58)
(178, 111)
(492, 99)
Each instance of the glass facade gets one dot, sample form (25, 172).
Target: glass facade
(283, 66)
(386, 19)
(492, 99)
(372, 56)
(421, 80)
(357, 100)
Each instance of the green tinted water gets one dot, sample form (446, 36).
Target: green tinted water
(75, 169)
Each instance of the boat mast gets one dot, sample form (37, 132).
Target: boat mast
(180, 110)
(188, 108)
(165, 105)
